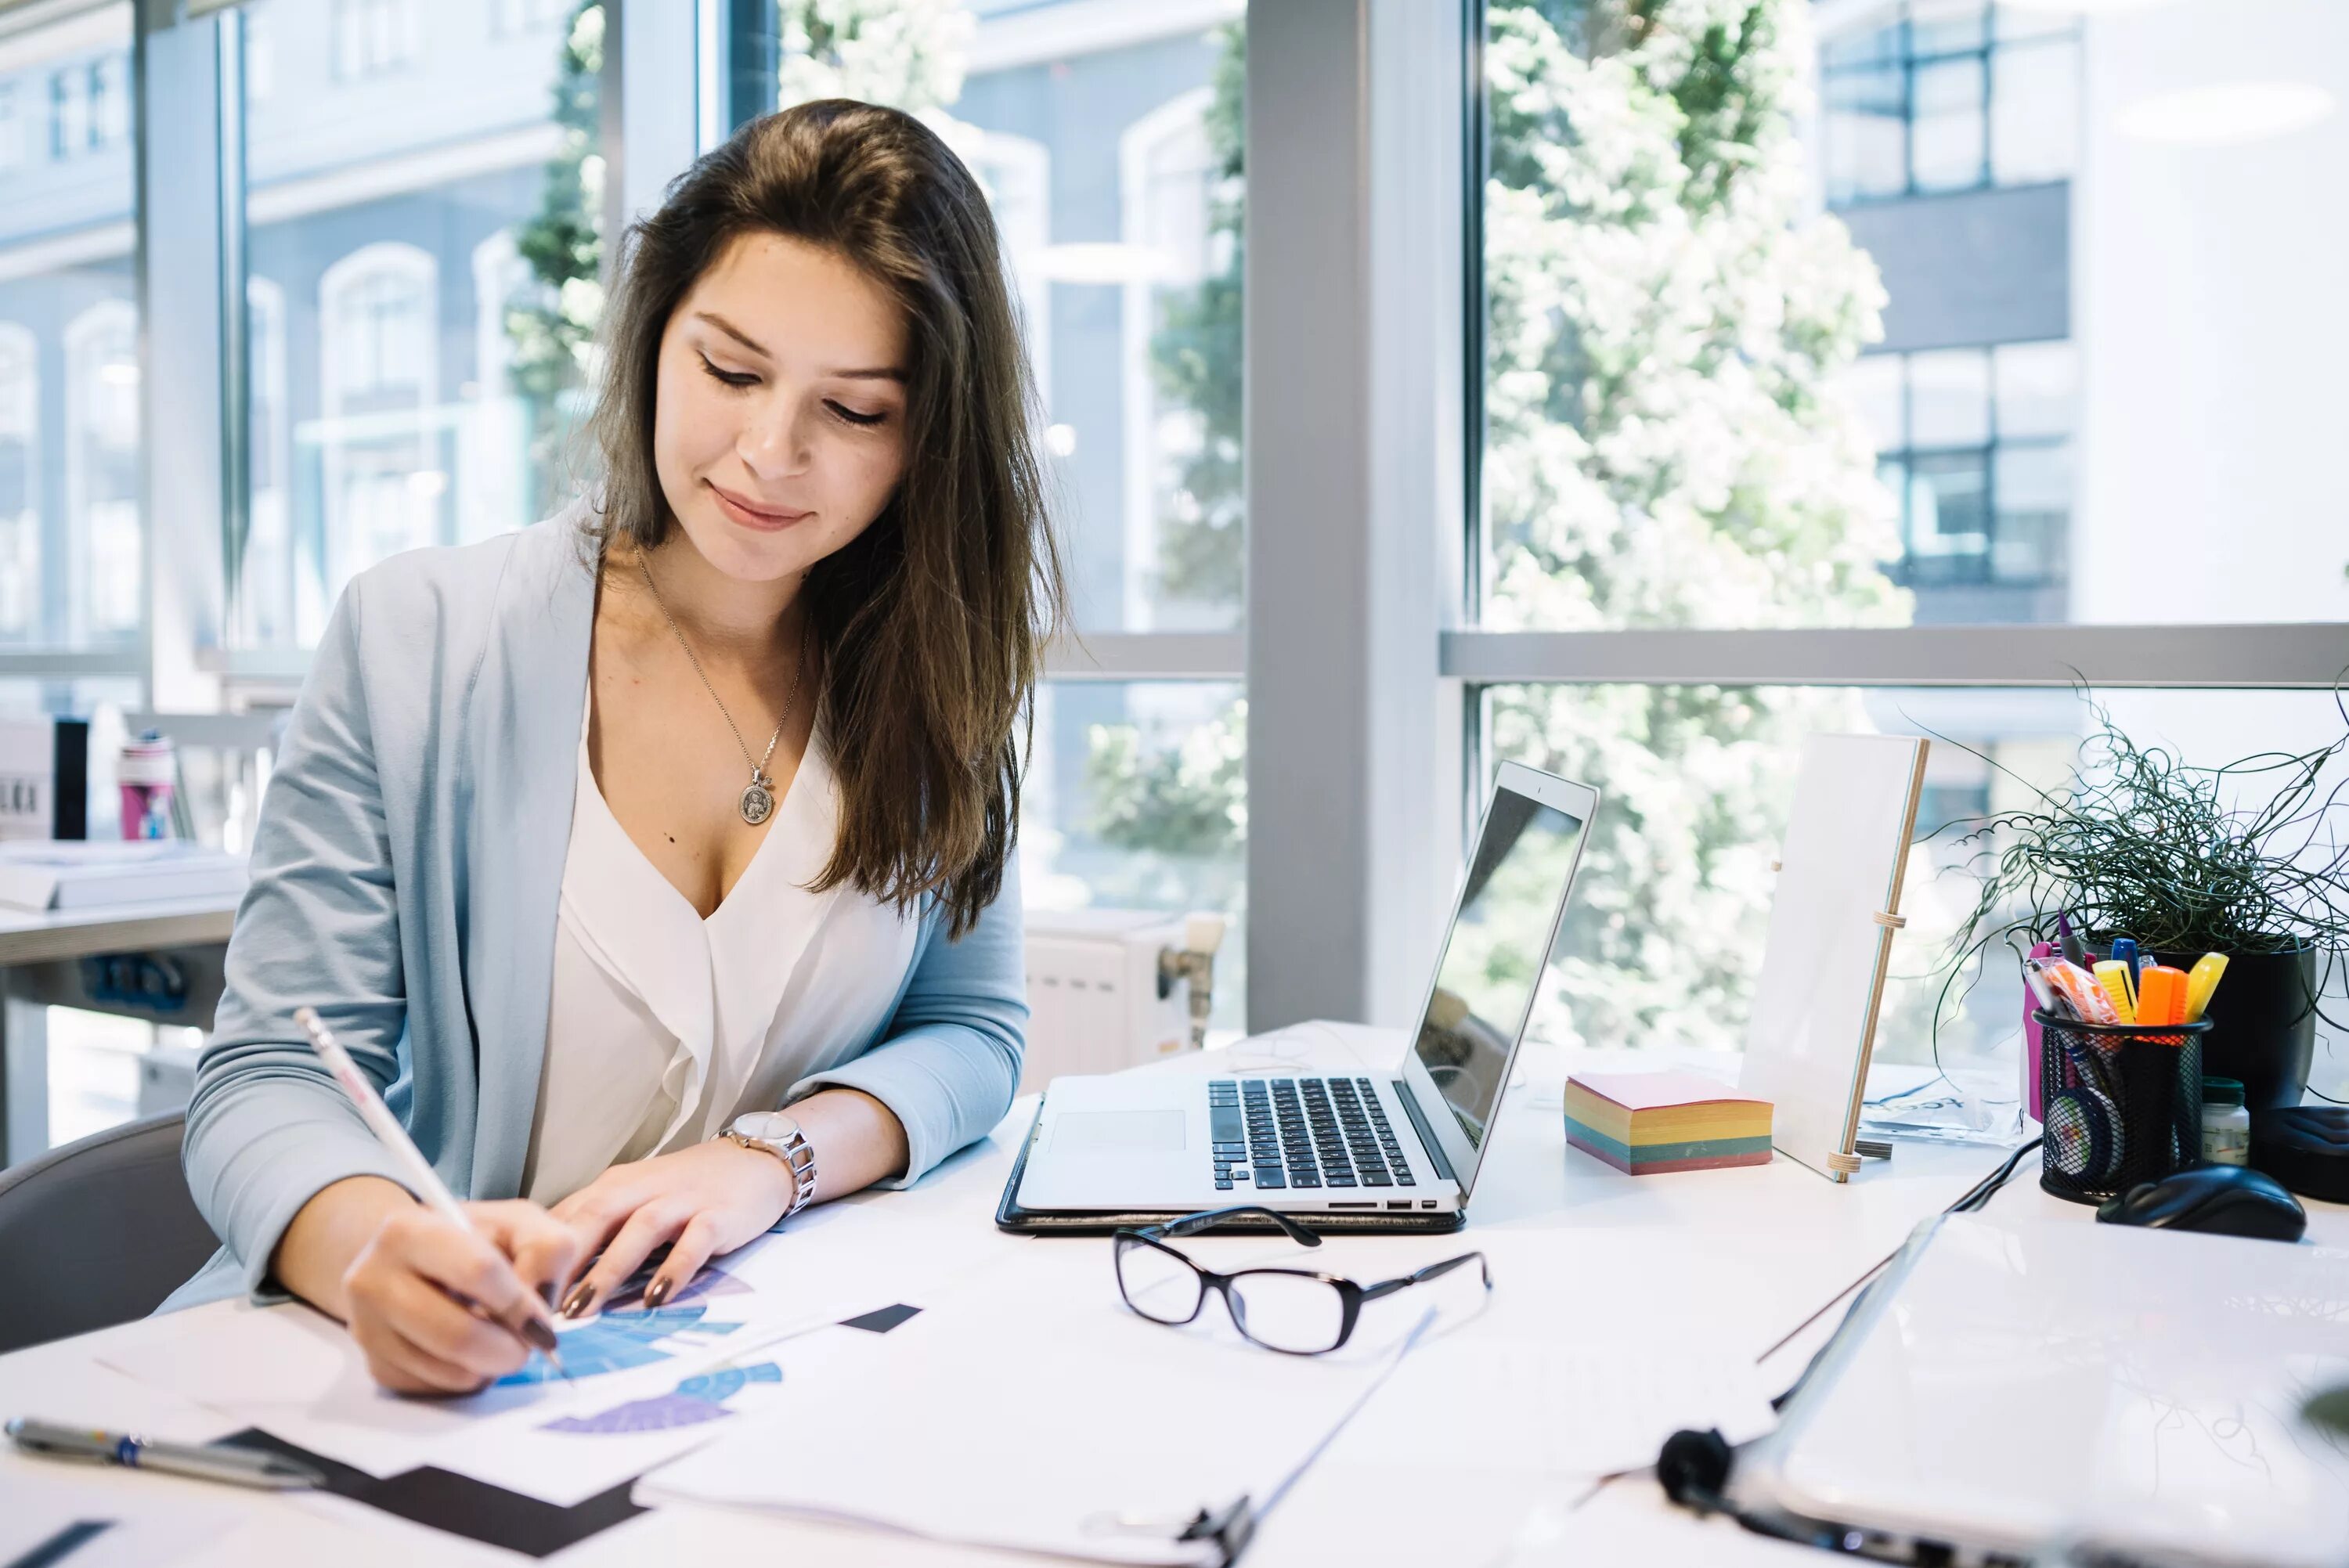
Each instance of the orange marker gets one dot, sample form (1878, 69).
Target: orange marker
(2160, 995)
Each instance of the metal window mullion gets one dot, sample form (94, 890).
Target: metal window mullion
(2289, 655)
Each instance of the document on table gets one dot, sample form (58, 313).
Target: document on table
(1034, 1412)
(1556, 1407)
(74, 1524)
(644, 1386)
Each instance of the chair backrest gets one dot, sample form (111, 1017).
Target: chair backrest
(97, 1232)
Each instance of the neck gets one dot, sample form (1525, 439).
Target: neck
(724, 615)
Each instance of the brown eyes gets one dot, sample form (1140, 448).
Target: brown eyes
(847, 416)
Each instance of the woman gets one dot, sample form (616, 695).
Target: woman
(593, 839)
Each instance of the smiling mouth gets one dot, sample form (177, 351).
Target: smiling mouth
(756, 516)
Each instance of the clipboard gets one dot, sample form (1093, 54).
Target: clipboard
(1812, 1031)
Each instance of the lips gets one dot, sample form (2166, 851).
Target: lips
(752, 516)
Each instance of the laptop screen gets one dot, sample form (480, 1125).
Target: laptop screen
(1494, 956)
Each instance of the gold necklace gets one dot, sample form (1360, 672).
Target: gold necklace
(758, 800)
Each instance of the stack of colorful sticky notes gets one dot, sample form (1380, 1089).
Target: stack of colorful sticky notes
(1647, 1122)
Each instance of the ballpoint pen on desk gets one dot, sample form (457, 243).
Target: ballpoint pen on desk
(205, 1461)
(535, 1331)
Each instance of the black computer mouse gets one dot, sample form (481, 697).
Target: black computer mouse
(2221, 1200)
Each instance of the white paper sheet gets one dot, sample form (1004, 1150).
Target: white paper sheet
(643, 1389)
(1033, 1411)
(147, 1523)
(1558, 1408)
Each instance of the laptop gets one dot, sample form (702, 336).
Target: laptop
(1402, 1146)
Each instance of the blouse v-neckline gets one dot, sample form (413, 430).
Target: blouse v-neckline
(787, 810)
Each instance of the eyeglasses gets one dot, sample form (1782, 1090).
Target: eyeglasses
(1297, 1312)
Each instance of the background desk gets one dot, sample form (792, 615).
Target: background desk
(1737, 1257)
(46, 960)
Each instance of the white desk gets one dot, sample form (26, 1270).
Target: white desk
(41, 954)
(1749, 1253)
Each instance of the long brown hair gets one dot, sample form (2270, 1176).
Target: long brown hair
(933, 619)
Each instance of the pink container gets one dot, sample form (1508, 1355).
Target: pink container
(145, 771)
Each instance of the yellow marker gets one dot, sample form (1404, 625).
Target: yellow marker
(2200, 981)
(2114, 976)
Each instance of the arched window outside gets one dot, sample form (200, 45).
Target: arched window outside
(20, 470)
(1165, 168)
(379, 366)
(102, 517)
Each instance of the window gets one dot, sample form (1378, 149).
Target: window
(1974, 446)
(1941, 100)
(378, 369)
(72, 537)
(374, 36)
(20, 502)
(507, 17)
(12, 127)
(1109, 142)
(412, 377)
(102, 474)
(1749, 505)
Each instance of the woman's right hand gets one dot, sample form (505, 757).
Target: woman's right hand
(402, 1269)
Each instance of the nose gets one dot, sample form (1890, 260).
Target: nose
(775, 444)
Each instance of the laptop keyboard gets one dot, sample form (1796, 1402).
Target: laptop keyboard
(1302, 1132)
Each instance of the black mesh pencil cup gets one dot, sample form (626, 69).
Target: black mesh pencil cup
(2123, 1104)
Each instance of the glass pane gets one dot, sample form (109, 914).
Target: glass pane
(1942, 27)
(1672, 907)
(1671, 438)
(2025, 19)
(1137, 798)
(72, 539)
(1867, 133)
(1946, 141)
(2037, 382)
(1949, 521)
(1112, 150)
(1948, 399)
(2034, 119)
(1873, 384)
(2034, 485)
(420, 285)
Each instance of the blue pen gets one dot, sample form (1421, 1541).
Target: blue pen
(2125, 949)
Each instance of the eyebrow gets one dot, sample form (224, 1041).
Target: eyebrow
(754, 345)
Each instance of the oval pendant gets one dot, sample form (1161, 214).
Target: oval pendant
(758, 803)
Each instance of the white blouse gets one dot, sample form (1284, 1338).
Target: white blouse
(664, 1027)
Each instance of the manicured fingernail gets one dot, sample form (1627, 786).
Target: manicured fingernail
(546, 1295)
(540, 1336)
(582, 1298)
(656, 1293)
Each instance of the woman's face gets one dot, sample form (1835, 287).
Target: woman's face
(778, 424)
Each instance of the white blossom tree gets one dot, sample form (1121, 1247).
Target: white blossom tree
(1667, 448)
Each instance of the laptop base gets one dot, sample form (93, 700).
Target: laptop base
(1010, 1215)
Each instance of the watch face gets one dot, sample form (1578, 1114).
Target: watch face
(767, 1126)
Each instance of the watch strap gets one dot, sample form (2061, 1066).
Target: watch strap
(796, 1153)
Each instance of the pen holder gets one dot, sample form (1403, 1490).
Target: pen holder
(2122, 1103)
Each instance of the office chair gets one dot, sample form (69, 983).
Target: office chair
(97, 1232)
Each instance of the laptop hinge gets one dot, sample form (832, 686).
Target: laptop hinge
(1410, 1103)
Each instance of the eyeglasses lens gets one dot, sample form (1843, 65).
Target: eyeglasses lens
(1290, 1312)
(1157, 1285)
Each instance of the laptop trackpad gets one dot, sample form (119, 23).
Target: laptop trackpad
(1084, 1132)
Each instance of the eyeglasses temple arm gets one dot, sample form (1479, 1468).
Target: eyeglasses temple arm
(1432, 1271)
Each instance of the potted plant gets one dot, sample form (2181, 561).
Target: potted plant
(2245, 859)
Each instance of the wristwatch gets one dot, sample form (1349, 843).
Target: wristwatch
(780, 1136)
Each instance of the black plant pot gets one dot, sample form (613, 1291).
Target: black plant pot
(2263, 1024)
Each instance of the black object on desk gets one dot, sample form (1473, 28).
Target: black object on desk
(2122, 1103)
(2305, 1147)
(2221, 1200)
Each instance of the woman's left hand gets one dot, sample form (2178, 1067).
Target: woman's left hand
(703, 1200)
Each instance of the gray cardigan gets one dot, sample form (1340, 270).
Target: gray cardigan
(405, 876)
